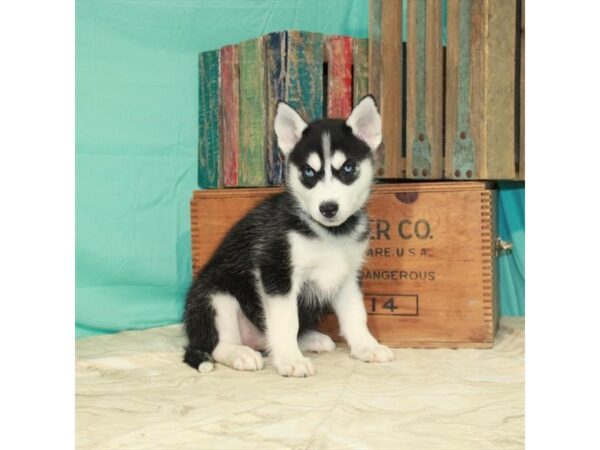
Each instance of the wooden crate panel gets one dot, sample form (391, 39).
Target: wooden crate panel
(209, 154)
(229, 114)
(423, 248)
(360, 76)
(429, 276)
(521, 86)
(253, 117)
(480, 90)
(391, 93)
(424, 140)
(304, 79)
(338, 56)
(276, 55)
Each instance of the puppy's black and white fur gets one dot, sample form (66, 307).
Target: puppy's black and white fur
(294, 257)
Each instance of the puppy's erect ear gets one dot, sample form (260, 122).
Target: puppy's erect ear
(365, 122)
(288, 127)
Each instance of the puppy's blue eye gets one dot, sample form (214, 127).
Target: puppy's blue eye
(308, 172)
(348, 167)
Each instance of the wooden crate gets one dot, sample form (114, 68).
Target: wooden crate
(450, 109)
(455, 112)
(429, 278)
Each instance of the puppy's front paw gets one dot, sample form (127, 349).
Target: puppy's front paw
(301, 367)
(379, 353)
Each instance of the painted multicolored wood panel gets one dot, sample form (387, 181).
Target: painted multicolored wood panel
(209, 155)
(424, 81)
(230, 114)
(304, 80)
(338, 55)
(253, 125)
(360, 77)
(276, 55)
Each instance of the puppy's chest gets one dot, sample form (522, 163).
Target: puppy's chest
(325, 263)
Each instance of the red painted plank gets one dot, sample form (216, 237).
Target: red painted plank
(230, 113)
(339, 76)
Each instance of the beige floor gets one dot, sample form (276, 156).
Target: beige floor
(133, 392)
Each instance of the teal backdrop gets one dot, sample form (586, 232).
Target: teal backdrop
(136, 147)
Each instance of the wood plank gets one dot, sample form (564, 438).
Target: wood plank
(230, 114)
(375, 63)
(304, 80)
(338, 55)
(521, 174)
(360, 77)
(374, 53)
(253, 113)
(276, 47)
(461, 138)
(402, 189)
(480, 88)
(424, 153)
(499, 103)
(209, 156)
(391, 89)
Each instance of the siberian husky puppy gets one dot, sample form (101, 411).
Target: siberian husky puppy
(294, 257)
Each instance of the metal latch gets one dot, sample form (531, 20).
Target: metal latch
(503, 246)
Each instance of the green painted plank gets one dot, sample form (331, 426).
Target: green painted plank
(421, 145)
(464, 148)
(305, 73)
(360, 49)
(253, 114)
(209, 155)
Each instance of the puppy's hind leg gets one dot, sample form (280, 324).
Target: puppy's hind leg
(229, 350)
(313, 341)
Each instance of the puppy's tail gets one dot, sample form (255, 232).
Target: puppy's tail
(199, 360)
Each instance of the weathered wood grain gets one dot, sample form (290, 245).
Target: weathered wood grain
(253, 113)
(374, 71)
(391, 98)
(521, 87)
(304, 79)
(360, 78)
(338, 55)
(374, 53)
(424, 153)
(480, 90)
(230, 114)
(209, 155)
(276, 47)
(499, 69)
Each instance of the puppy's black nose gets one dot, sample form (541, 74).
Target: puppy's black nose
(328, 209)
